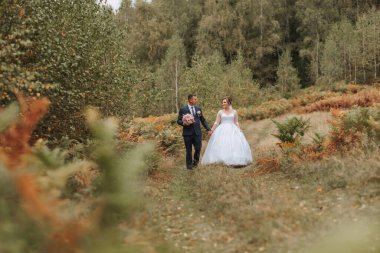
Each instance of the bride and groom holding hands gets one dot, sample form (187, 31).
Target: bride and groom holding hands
(227, 144)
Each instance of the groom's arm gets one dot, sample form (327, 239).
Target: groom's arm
(204, 122)
(180, 116)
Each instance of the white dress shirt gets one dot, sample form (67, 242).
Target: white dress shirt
(192, 109)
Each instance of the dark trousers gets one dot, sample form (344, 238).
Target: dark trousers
(190, 141)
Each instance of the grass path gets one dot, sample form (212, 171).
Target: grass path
(219, 209)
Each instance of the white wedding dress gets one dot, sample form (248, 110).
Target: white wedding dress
(227, 144)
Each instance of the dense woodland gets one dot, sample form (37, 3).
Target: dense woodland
(144, 58)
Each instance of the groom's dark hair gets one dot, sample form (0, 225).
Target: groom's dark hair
(190, 96)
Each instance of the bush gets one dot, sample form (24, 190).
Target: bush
(269, 109)
(363, 98)
(36, 214)
(170, 141)
(291, 130)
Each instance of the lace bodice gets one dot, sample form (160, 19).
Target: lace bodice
(226, 118)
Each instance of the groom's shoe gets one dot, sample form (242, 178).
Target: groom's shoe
(189, 167)
(195, 164)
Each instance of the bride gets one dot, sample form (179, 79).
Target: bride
(227, 144)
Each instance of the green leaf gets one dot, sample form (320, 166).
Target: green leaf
(8, 116)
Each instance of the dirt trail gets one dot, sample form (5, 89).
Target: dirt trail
(259, 133)
(188, 227)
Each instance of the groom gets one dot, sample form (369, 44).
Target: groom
(192, 134)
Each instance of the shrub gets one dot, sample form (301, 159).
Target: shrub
(340, 138)
(37, 216)
(291, 130)
(363, 98)
(357, 121)
(164, 130)
(152, 162)
(318, 141)
(170, 141)
(266, 110)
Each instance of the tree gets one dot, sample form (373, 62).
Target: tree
(351, 51)
(148, 34)
(170, 72)
(315, 16)
(212, 79)
(287, 76)
(16, 54)
(219, 29)
(369, 36)
(75, 45)
(331, 61)
(238, 84)
(261, 33)
(184, 17)
(205, 79)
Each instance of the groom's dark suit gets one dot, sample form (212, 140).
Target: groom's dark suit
(192, 134)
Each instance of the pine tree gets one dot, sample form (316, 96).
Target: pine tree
(148, 34)
(219, 30)
(184, 17)
(316, 16)
(262, 36)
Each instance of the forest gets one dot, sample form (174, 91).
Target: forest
(81, 84)
(145, 58)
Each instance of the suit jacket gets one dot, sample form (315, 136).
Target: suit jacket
(193, 129)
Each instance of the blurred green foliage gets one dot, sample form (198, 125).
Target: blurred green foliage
(118, 197)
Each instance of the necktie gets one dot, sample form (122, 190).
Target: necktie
(192, 111)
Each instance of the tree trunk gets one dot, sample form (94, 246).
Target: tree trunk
(344, 61)
(356, 69)
(349, 65)
(176, 86)
(261, 28)
(317, 76)
(363, 55)
(374, 46)
(357, 9)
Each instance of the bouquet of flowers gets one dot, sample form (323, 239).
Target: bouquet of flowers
(188, 119)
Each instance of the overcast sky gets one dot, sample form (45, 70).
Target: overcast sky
(114, 3)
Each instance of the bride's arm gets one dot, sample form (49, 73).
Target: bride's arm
(236, 119)
(217, 122)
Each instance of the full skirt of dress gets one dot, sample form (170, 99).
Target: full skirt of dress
(228, 146)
